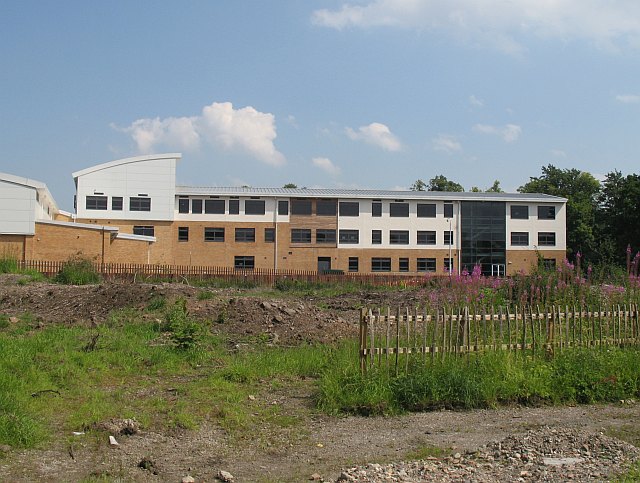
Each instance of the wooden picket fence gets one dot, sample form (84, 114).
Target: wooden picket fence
(259, 277)
(408, 336)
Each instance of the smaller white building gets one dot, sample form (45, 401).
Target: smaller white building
(24, 201)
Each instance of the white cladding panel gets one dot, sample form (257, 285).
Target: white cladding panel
(533, 226)
(17, 209)
(153, 178)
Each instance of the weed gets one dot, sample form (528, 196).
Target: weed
(185, 332)
(4, 321)
(8, 264)
(427, 451)
(205, 295)
(77, 271)
(157, 302)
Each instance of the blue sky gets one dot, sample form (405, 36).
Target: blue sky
(356, 93)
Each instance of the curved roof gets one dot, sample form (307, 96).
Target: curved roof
(118, 162)
(39, 186)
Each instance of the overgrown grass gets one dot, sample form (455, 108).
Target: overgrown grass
(77, 271)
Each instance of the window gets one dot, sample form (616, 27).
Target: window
(376, 209)
(325, 236)
(116, 203)
(143, 230)
(448, 210)
(234, 207)
(300, 235)
(546, 212)
(376, 237)
(349, 208)
(426, 238)
(214, 234)
(353, 264)
(448, 265)
(245, 235)
(519, 238)
(426, 210)
(399, 237)
(448, 237)
(326, 208)
(379, 264)
(137, 203)
(519, 212)
(183, 233)
(549, 263)
(244, 262)
(183, 205)
(196, 206)
(404, 264)
(301, 207)
(283, 207)
(96, 203)
(426, 265)
(398, 210)
(254, 207)
(546, 239)
(214, 207)
(349, 236)
(269, 235)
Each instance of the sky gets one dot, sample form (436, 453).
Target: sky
(333, 94)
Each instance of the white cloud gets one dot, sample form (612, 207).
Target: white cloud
(628, 98)
(244, 129)
(609, 24)
(475, 102)
(325, 164)
(448, 144)
(377, 134)
(509, 132)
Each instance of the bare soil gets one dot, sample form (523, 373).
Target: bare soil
(319, 444)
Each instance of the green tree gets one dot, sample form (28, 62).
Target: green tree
(290, 185)
(441, 183)
(495, 188)
(581, 190)
(418, 185)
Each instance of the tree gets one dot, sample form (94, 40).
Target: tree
(475, 189)
(441, 183)
(419, 185)
(495, 188)
(290, 185)
(581, 190)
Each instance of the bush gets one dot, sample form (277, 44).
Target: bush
(77, 271)
(185, 332)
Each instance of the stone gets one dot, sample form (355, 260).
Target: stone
(14, 320)
(265, 305)
(315, 477)
(113, 442)
(562, 461)
(188, 479)
(225, 476)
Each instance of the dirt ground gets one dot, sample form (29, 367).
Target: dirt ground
(320, 445)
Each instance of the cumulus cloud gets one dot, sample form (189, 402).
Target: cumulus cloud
(607, 23)
(475, 102)
(245, 129)
(325, 164)
(448, 144)
(628, 98)
(509, 132)
(377, 134)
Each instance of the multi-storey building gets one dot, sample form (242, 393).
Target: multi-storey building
(318, 229)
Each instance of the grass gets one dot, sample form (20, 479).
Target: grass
(78, 271)
(631, 475)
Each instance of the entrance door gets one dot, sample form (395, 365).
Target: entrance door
(324, 264)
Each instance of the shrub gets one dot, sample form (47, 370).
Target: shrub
(185, 332)
(78, 271)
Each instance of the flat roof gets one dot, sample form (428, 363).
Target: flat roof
(365, 194)
(118, 162)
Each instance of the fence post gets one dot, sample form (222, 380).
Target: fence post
(363, 341)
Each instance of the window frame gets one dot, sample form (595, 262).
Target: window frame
(547, 239)
(380, 264)
(328, 235)
(140, 203)
(428, 265)
(144, 230)
(429, 237)
(518, 238)
(426, 210)
(97, 202)
(517, 212)
(398, 237)
(212, 207)
(448, 210)
(376, 209)
(119, 206)
(214, 234)
(448, 234)
(269, 235)
(301, 235)
(254, 207)
(349, 208)
(354, 264)
(244, 262)
(183, 205)
(399, 209)
(183, 233)
(403, 264)
(548, 212)
(349, 237)
(234, 207)
(322, 205)
(245, 235)
(301, 207)
(376, 237)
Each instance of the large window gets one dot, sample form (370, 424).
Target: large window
(183, 233)
(301, 207)
(283, 207)
(519, 238)
(245, 235)
(96, 203)
(214, 234)
(183, 205)
(546, 212)
(234, 207)
(145, 230)
(519, 212)
(448, 237)
(300, 235)
(426, 265)
(196, 206)
(426, 210)
(380, 264)
(326, 207)
(116, 203)
(483, 235)
(546, 239)
(139, 203)
(403, 264)
(349, 236)
(214, 207)
(244, 262)
(376, 208)
(399, 210)
(426, 238)
(353, 264)
(399, 237)
(269, 235)
(325, 236)
(448, 210)
(254, 207)
(376, 237)
(349, 208)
